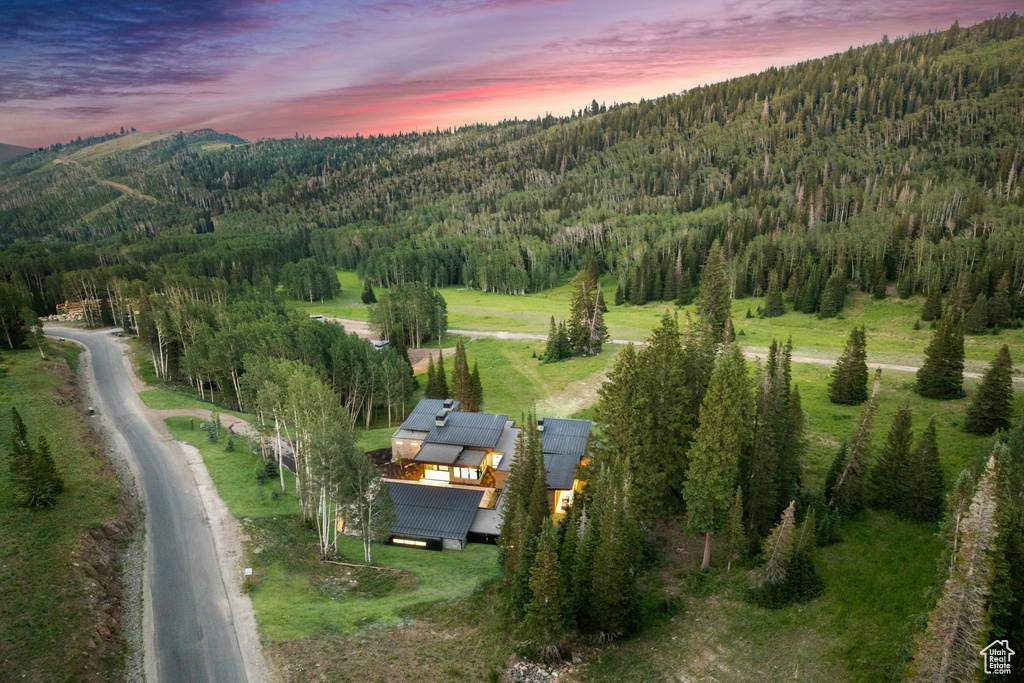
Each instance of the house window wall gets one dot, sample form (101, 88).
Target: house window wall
(437, 473)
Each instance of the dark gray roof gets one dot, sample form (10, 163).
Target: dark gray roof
(433, 511)
(481, 430)
(561, 470)
(565, 436)
(437, 453)
(421, 419)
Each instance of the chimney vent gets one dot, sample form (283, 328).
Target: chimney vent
(448, 405)
(540, 424)
(441, 418)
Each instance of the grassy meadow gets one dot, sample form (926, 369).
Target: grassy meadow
(50, 607)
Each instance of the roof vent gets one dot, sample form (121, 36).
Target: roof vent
(441, 418)
(448, 405)
(540, 424)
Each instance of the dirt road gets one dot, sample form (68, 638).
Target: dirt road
(198, 625)
(361, 328)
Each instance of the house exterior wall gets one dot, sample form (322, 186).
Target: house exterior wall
(451, 544)
(405, 448)
(499, 479)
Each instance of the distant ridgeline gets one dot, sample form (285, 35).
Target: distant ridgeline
(896, 162)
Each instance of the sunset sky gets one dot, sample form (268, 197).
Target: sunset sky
(271, 68)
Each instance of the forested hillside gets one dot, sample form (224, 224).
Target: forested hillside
(892, 163)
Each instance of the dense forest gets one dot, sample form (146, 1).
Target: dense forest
(894, 163)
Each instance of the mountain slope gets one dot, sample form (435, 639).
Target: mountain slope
(8, 152)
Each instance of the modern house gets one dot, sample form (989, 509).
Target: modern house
(473, 453)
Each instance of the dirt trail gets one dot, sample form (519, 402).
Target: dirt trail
(362, 328)
(124, 189)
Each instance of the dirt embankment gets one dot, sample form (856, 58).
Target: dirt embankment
(106, 560)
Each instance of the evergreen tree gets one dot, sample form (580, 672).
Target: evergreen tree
(847, 493)
(461, 388)
(834, 297)
(848, 381)
(760, 473)
(475, 401)
(551, 349)
(957, 503)
(33, 470)
(976, 319)
(736, 538)
(543, 623)
(933, 304)
(572, 531)
(619, 298)
(522, 515)
(713, 295)
(613, 602)
(368, 297)
(773, 305)
(1006, 604)
(992, 405)
(957, 626)
(790, 469)
(684, 290)
(777, 549)
(1000, 310)
(942, 375)
(890, 476)
(431, 390)
(562, 342)
(725, 423)
(925, 485)
(803, 581)
(442, 380)
(878, 286)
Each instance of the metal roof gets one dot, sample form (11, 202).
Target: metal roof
(433, 511)
(468, 429)
(421, 419)
(561, 470)
(565, 436)
(438, 453)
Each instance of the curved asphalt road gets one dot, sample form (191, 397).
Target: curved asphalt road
(194, 637)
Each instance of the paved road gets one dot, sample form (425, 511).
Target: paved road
(193, 635)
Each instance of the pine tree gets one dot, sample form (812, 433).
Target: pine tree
(847, 494)
(33, 470)
(790, 470)
(933, 304)
(879, 285)
(551, 348)
(684, 291)
(475, 401)
(976, 319)
(992, 405)
(760, 473)
(543, 623)
(834, 297)
(942, 375)
(777, 550)
(957, 626)
(957, 503)
(803, 581)
(924, 485)
(460, 377)
(431, 390)
(562, 342)
(713, 295)
(572, 531)
(773, 306)
(1000, 310)
(736, 539)
(442, 381)
(368, 297)
(891, 474)
(725, 422)
(848, 381)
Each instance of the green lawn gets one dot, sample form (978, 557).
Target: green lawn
(47, 600)
(296, 596)
(171, 399)
(891, 337)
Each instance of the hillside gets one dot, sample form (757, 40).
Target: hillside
(8, 152)
(898, 162)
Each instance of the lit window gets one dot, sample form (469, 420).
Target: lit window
(409, 541)
(398, 443)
